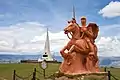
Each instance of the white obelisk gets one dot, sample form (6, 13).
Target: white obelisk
(47, 55)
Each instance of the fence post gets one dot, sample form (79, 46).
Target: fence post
(105, 69)
(44, 73)
(109, 75)
(14, 74)
(34, 74)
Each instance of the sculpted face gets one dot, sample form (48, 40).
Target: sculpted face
(83, 21)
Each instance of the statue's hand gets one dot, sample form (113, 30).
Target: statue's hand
(83, 29)
(63, 54)
(61, 51)
(91, 54)
(69, 52)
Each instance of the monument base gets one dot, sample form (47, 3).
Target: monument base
(85, 76)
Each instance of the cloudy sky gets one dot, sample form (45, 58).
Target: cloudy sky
(23, 24)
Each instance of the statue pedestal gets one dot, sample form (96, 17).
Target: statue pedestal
(85, 76)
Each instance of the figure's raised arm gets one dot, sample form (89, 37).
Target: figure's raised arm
(89, 32)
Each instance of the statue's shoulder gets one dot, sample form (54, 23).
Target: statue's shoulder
(93, 26)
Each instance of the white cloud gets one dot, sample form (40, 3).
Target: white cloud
(110, 30)
(111, 10)
(108, 41)
(30, 37)
(108, 46)
(3, 43)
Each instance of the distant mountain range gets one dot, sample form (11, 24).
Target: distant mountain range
(109, 61)
(103, 61)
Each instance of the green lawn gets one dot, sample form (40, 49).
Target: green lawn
(6, 70)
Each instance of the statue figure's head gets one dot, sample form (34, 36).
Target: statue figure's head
(83, 20)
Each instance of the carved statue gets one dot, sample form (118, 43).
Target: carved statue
(90, 34)
(82, 52)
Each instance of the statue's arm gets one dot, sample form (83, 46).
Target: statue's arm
(89, 32)
(62, 51)
(65, 47)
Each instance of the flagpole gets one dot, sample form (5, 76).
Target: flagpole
(73, 12)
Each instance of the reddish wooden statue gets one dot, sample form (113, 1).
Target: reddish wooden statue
(82, 51)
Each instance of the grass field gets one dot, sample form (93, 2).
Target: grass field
(6, 70)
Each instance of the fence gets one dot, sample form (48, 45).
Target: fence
(110, 75)
(33, 75)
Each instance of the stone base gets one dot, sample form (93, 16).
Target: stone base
(85, 76)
